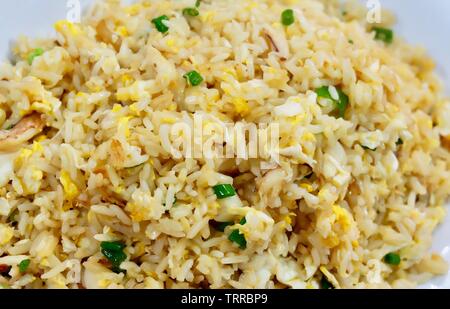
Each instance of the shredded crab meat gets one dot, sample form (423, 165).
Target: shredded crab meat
(117, 153)
(277, 41)
(22, 132)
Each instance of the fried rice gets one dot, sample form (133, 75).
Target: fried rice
(91, 197)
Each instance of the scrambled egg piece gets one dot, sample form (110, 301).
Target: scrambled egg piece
(144, 206)
(6, 233)
(308, 137)
(343, 217)
(287, 219)
(138, 213)
(37, 147)
(123, 127)
(36, 174)
(307, 187)
(127, 80)
(122, 31)
(57, 282)
(241, 106)
(259, 225)
(169, 120)
(23, 156)
(151, 283)
(251, 5)
(171, 43)
(134, 92)
(296, 119)
(345, 221)
(288, 272)
(63, 25)
(117, 108)
(70, 189)
(207, 16)
(332, 240)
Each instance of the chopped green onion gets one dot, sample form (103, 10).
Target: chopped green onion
(351, 41)
(190, 12)
(323, 92)
(224, 191)
(287, 17)
(24, 265)
(113, 251)
(341, 104)
(197, 3)
(238, 238)
(220, 226)
(325, 284)
(344, 13)
(384, 34)
(159, 24)
(399, 142)
(35, 53)
(368, 148)
(193, 78)
(112, 245)
(115, 257)
(392, 258)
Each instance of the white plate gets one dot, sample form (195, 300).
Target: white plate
(420, 22)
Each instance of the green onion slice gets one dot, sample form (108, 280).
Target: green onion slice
(238, 238)
(191, 12)
(115, 257)
(341, 103)
(35, 53)
(112, 245)
(384, 34)
(392, 258)
(113, 251)
(287, 17)
(24, 265)
(193, 78)
(224, 191)
(159, 24)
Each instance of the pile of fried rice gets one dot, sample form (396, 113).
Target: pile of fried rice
(90, 197)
